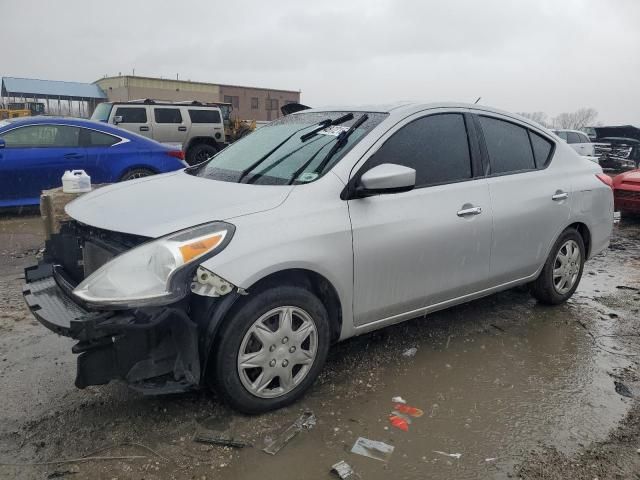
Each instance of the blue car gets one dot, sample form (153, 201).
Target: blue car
(36, 151)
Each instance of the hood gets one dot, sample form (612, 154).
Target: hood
(162, 204)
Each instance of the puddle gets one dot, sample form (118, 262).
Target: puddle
(495, 378)
(487, 395)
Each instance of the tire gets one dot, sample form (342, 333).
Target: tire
(200, 153)
(136, 173)
(239, 336)
(553, 291)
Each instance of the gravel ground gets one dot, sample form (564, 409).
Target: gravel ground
(519, 390)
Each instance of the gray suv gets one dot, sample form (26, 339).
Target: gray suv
(198, 128)
(240, 272)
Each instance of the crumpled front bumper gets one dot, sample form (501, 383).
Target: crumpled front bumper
(54, 307)
(155, 350)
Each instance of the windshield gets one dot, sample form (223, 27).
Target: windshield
(277, 155)
(101, 113)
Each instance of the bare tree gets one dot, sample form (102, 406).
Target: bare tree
(577, 120)
(538, 117)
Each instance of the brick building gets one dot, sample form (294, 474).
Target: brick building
(249, 103)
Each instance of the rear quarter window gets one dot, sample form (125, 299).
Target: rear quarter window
(508, 146)
(204, 116)
(93, 138)
(542, 149)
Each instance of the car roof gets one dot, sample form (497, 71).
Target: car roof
(51, 119)
(77, 122)
(404, 109)
(568, 130)
(142, 103)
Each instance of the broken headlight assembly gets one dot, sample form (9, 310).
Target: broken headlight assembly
(158, 272)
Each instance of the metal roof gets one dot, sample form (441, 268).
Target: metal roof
(30, 87)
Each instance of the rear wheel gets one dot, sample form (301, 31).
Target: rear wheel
(271, 349)
(562, 271)
(136, 173)
(200, 153)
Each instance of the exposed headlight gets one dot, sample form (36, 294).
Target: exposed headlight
(155, 273)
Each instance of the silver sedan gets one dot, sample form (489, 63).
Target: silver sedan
(240, 272)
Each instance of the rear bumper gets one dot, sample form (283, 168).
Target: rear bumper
(627, 200)
(155, 350)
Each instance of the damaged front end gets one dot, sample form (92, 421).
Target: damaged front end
(154, 348)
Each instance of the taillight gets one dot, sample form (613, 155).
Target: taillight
(606, 179)
(179, 154)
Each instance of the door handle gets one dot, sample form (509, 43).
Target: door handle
(182, 129)
(559, 196)
(144, 129)
(469, 211)
(72, 155)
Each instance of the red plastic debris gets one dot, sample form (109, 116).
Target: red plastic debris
(407, 410)
(399, 423)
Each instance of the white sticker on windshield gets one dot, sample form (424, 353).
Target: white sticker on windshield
(307, 177)
(333, 130)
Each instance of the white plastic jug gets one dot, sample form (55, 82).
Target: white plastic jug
(76, 181)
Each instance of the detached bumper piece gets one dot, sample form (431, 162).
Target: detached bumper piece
(44, 299)
(155, 350)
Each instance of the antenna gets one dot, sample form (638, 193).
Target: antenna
(477, 100)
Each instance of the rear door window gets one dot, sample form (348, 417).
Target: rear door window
(204, 116)
(42, 136)
(167, 115)
(573, 137)
(132, 114)
(435, 146)
(508, 146)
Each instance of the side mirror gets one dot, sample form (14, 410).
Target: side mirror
(2, 143)
(117, 119)
(386, 178)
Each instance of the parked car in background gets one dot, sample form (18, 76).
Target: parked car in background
(198, 128)
(240, 272)
(618, 153)
(577, 140)
(626, 192)
(36, 151)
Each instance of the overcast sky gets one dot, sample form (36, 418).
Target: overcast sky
(519, 55)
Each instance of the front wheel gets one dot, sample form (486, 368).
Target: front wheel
(562, 271)
(271, 349)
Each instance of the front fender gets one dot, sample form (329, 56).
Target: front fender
(311, 231)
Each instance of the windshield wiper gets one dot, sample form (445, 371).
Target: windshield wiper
(337, 121)
(280, 160)
(323, 124)
(340, 142)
